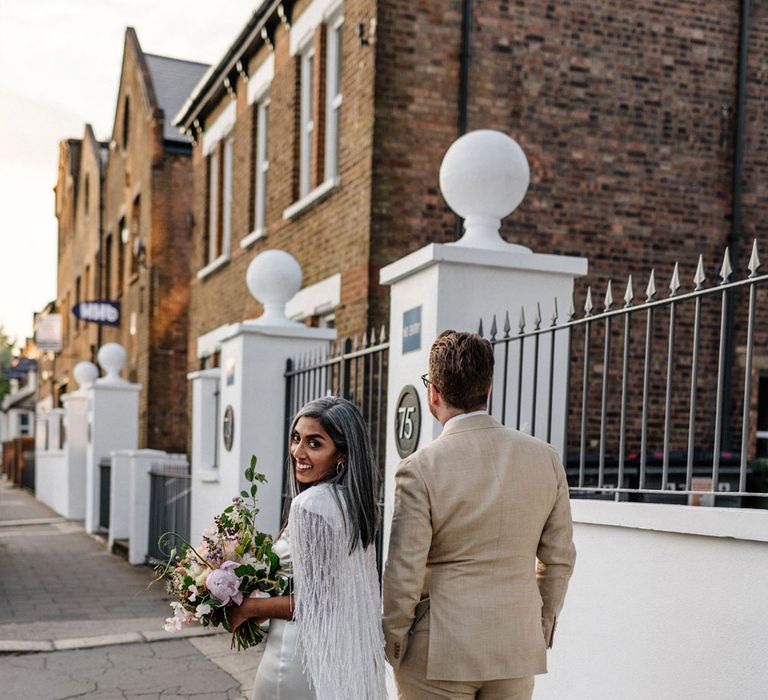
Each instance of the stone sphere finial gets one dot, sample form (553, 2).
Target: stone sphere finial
(484, 177)
(112, 358)
(273, 278)
(86, 373)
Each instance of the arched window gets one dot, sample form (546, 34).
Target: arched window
(87, 193)
(126, 120)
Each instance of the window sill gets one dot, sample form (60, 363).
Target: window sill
(210, 268)
(314, 197)
(252, 237)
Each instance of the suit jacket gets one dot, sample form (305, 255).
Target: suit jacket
(482, 528)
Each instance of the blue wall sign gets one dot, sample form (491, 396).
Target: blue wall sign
(412, 329)
(105, 313)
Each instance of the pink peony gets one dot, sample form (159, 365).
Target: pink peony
(224, 584)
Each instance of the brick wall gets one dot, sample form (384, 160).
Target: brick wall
(78, 236)
(329, 237)
(626, 113)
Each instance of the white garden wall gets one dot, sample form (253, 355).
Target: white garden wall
(653, 614)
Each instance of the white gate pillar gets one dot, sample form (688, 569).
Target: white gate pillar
(250, 416)
(113, 424)
(484, 177)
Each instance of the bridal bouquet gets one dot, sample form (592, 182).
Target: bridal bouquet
(233, 561)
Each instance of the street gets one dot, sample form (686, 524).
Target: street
(77, 621)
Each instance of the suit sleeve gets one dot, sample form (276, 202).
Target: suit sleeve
(556, 554)
(409, 544)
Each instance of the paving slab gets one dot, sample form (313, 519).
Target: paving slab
(78, 621)
(174, 669)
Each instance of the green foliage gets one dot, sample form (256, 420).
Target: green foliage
(6, 356)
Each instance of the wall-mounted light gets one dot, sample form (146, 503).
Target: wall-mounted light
(366, 37)
(140, 252)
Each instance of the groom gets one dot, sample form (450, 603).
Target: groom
(481, 546)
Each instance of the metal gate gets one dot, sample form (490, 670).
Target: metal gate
(105, 472)
(170, 496)
(356, 369)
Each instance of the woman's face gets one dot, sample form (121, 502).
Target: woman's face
(314, 453)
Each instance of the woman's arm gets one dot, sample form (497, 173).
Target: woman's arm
(280, 607)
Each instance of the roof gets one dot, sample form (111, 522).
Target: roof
(211, 85)
(173, 79)
(23, 398)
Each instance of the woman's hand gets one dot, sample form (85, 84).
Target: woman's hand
(250, 607)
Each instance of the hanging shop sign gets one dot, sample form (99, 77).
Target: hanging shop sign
(48, 332)
(105, 313)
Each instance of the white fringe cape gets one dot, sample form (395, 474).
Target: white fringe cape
(338, 603)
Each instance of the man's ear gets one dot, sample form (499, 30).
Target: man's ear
(434, 394)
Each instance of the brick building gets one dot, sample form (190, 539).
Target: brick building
(322, 128)
(78, 194)
(124, 235)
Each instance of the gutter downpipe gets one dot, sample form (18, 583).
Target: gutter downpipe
(464, 61)
(737, 232)
(100, 285)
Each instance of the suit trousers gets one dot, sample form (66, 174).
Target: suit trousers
(413, 684)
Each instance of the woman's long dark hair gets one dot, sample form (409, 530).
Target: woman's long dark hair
(358, 482)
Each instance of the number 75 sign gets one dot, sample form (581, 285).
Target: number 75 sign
(407, 421)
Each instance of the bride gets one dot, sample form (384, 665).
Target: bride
(325, 640)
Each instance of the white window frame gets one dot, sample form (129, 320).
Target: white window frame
(334, 43)
(307, 124)
(213, 205)
(262, 166)
(227, 154)
(258, 96)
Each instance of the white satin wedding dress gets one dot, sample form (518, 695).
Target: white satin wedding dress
(333, 649)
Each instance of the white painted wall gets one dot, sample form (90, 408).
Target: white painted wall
(114, 425)
(139, 466)
(456, 286)
(251, 380)
(119, 496)
(659, 615)
(75, 446)
(51, 484)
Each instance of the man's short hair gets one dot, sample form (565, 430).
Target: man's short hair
(461, 369)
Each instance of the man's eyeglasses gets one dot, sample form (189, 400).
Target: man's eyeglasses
(425, 380)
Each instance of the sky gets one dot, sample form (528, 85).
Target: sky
(59, 69)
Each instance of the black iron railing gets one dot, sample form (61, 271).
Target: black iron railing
(169, 509)
(658, 417)
(354, 368)
(105, 472)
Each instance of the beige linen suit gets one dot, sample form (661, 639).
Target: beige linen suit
(474, 510)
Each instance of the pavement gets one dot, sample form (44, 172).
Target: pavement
(77, 621)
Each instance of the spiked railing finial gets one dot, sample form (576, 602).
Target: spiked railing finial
(725, 269)
(609, 296)
(650, 290)
(699, 277)
(754, 260)
(588, 306)
(674, 283)
(629, 294)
